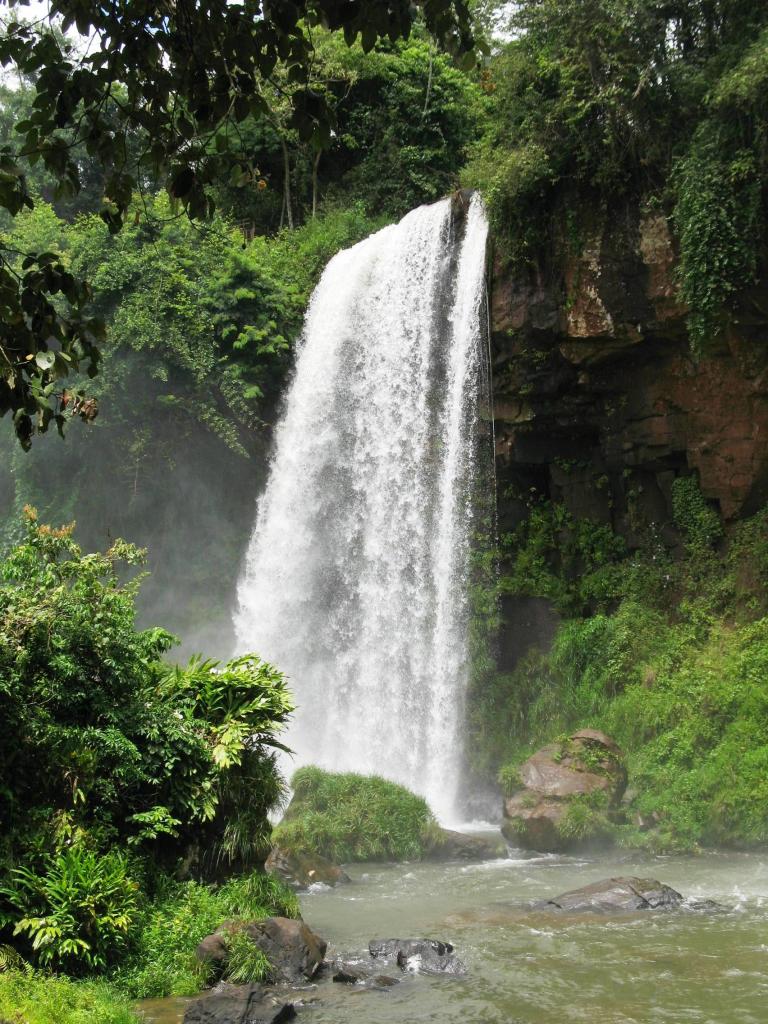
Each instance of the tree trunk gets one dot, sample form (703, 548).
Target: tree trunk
(287, 183)
(315, 165)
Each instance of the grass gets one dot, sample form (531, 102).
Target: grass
(28, 997)
(163, 961)
(348, 817)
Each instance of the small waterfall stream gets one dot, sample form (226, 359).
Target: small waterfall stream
(356, 577)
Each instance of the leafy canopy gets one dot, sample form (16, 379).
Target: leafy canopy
(181, 79)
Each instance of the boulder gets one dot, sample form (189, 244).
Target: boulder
(302, 870)
(292, 948)
(430, 962)
(451, 845)
(238, 1004)
(587, 767)
(625, 894)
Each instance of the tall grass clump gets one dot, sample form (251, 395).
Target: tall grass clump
(29, 997)
(349, 817)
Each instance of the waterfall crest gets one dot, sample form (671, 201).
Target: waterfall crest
(356, 577)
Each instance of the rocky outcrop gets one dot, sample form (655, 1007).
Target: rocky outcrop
(625, 894)
(300, 870)
(588, 767)
(238, 1004)
(599, 401)
(294, 951)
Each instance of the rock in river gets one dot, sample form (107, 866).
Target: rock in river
(292, 948)
(617, 894)
(587, 766)
(419, 956)
(301, 870)
(238, 1004)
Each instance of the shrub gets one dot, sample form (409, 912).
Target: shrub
(348, 817)
(105, 738)
(77, 913)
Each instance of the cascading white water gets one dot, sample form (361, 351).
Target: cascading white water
(356, 577)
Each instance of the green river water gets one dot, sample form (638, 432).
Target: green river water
(532, 967)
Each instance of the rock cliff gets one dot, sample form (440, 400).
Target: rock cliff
(599, 401)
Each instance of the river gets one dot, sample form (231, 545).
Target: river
(532, 967)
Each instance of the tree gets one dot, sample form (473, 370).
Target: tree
(184, 77)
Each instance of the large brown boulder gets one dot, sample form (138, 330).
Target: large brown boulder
(294, 951)
(566, 793)
(300, 870)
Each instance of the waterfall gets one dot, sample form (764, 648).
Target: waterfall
(356, 580)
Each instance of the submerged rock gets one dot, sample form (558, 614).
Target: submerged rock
(238, 1004)
(360, 974)
(451, 845)
(294, 951)
(391, 949)
(587, 769)
(419, 956)
(301, 870)
(617, 894)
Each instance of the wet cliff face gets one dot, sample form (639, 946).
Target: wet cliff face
(599, 401)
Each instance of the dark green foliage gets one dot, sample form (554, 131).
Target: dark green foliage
(405, 120)
(347, 817)
(107, 746)
(185, 103)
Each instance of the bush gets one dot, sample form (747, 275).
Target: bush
(163, 959)
(77, 914)
(104, 740)
(348, 817)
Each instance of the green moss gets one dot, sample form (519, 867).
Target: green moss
(348, 817)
